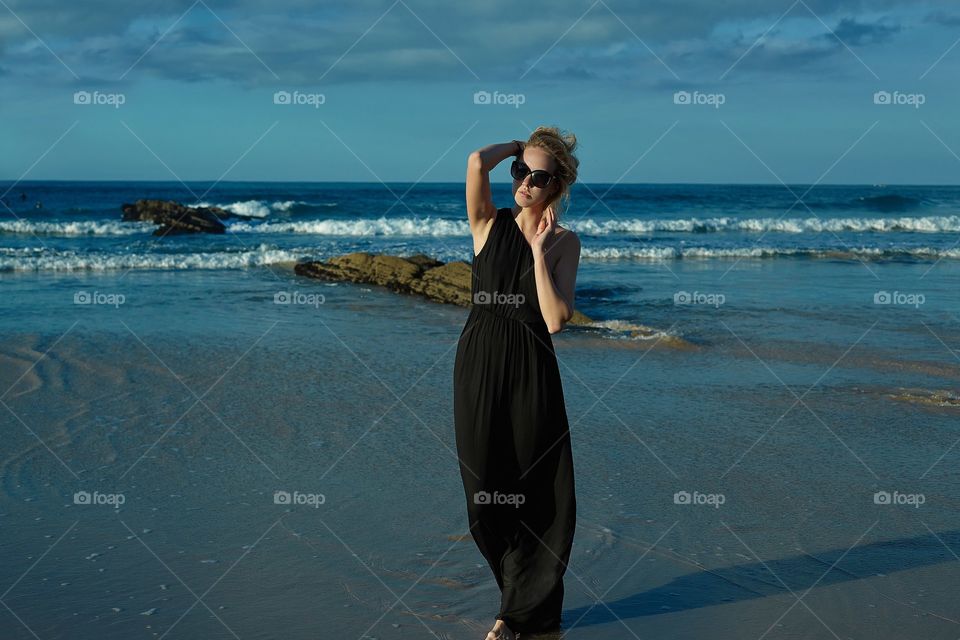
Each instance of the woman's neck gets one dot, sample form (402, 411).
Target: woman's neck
(533, 214)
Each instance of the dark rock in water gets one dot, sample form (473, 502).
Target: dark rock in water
(175, 218)
(420, 274)
(441, 282)
(933, 398)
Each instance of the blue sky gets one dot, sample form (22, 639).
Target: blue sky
(659, 91)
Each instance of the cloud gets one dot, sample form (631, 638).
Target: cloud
(854, 33)
(800, 45)
(943, 18)
(337, 41)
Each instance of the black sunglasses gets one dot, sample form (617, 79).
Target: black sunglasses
(538, 177)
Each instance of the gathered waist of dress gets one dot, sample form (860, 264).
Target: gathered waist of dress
(495, 311)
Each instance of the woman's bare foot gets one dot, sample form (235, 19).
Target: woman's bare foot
(500, 631)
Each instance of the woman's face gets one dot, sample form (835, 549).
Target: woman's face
(524, 193)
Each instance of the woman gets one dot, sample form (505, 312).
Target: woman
(512, 434)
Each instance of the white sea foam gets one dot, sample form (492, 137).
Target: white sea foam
(381, 226)
(674, 253)
(441, 227)
(43, 260)
(625, 328)
(262, 208)
(925, 224)
(406, 226)
(76, 228)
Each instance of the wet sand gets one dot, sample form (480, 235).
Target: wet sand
(195, 431)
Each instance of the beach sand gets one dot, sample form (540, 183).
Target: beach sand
(192, 417)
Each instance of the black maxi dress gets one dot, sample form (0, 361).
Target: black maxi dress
(512, 433)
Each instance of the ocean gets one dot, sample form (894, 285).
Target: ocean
(789, 422)
(79, 223)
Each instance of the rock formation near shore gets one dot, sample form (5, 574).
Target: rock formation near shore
(450, 283)
(419, 274)
(175, 218)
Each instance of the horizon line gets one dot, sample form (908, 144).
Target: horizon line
(461, 182)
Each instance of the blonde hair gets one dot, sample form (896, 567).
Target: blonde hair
(560, 145)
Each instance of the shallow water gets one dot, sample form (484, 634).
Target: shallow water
(198, 398)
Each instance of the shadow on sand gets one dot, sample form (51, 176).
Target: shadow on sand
(754, 580)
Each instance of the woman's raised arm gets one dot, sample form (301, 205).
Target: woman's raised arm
(480, 207)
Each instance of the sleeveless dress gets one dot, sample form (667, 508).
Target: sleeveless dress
(512, 434)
